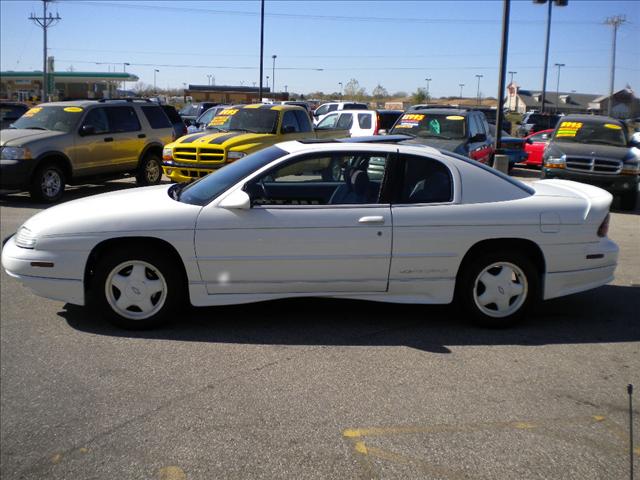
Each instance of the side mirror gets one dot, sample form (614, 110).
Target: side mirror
(87, 130)
(238, 200)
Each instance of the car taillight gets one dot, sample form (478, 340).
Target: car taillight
(377, 127)
(603, 230)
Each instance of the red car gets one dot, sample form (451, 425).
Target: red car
(534, 145)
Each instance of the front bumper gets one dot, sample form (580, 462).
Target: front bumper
(611, 183)
(55, 283)
(15, 174)
(182, 172)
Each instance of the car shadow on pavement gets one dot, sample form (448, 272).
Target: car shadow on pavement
(601, 316)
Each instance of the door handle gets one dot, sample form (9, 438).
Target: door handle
(371, 220)
(108, 139)
(142, 135)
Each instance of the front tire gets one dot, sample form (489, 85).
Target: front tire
(496, 289)
(137, 289)
(47, 184)
(149, 171)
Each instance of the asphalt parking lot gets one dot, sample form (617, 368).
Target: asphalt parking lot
(312, 388)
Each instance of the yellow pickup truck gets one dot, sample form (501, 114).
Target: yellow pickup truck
(234, 133)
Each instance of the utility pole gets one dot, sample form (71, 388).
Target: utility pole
(506, 12)
(273, 74)
(45, 22)
(479, 77)
(428, 80)
(559, 65)
(615, 22)
(461, 85)
(261, 47)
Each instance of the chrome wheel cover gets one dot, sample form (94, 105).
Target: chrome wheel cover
(51, 183)
(136, 290)
(153, 171)
(500, 289)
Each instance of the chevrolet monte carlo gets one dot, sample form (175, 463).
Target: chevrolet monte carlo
(372, 221)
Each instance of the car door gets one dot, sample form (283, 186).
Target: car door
(424, 256)
(479, 145)
(308, 231)
(92, 151)
(127, 137)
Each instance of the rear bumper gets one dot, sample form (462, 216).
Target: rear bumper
(611, 183)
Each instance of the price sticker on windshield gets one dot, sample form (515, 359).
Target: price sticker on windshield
(412, 117)
(73, 109)
(612, 126)
(569, 129)
(218, 120)
(229, 111)
(32, 111)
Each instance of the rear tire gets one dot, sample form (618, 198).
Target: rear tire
(149, 171)
(137, 288)
(47, 183)
(497, 288)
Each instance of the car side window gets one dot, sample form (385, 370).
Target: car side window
(364, 120)
(474, 127)
(97, 118)
(156, 117)
(345, 121)
(425, 181)
(332, 107)
(123, 119)
(328, 178)
(303, 120)
(329, 121)
(290, 123)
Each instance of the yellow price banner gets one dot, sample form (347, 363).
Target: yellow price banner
(229, 111)
(218, 120)
(32, 111)
(412, 117)
(73, 109)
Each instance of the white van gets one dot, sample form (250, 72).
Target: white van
(360, 123)
(328, 107)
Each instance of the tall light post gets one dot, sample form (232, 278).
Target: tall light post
(559, 3)
(428, 80)
(615, 22)
(478, 94)
(340, 83)
(124, 69)
(267, 81)
(208, 79)
(273, 73)
(559, 65)
(461, 85)
(155, 70)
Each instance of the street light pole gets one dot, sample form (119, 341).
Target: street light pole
(559, 65)
(273, 73)
(479, 77)
(261, 46)
(615, 22)
(124, 69)
(208, 80)
(267, 81)
(461, 85)
(155, 70)
(340, 83)
(428, 80)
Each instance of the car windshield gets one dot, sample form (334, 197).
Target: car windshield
(188, 110)
(591, 132)
(59, 118)
(208, 188)
(206, 117)
(254, 120)
(440, 125)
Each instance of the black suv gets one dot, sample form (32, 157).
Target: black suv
(596, 150)
(465, 132)
(533, 122)
(10, 112)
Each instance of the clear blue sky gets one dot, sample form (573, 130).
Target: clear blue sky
(394, 43)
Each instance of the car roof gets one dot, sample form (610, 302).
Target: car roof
(450, 111)
(272, 106)
(590, 118)
(293, 146)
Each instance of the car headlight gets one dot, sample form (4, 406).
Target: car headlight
(235, 155)
(553, 161)
(25, 238)
(15, 153)
(631, 168)
(167, 153)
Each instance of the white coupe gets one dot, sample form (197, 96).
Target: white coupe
(375, 221)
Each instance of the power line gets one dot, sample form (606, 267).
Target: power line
(403, 20)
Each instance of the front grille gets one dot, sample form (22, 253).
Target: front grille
(596, 165)
(201, 155)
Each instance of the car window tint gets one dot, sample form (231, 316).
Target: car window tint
(289, 121)
(172, 114)
(322, 110)
(336, 178)
(303, 120)
(123, 119)
(345, 121)
(387, 119)
(156, 117)
(332, 107)
(425, 181)
(98, 119)
(354, 106)
(364, 121)
(474, 125)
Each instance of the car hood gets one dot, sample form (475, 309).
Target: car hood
(454, 145)
(16, 137)
(589, 150)
(224, 139)
(143, 209)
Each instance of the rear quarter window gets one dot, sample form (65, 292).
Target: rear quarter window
(123, 119)
(156, 117)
